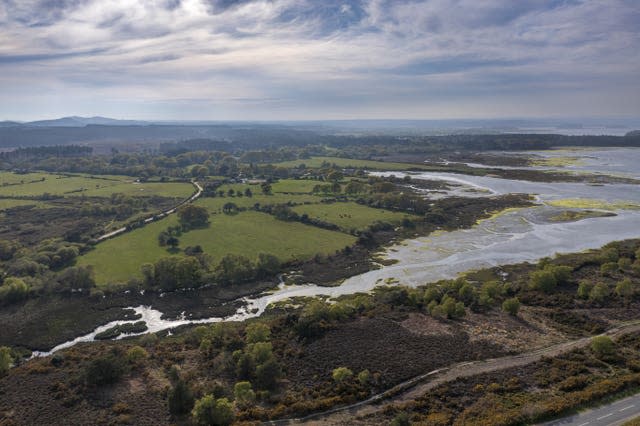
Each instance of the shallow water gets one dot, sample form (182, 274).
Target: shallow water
(512, 237)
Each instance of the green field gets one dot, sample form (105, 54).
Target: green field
(349, 215)
(8, 203)
(85, 185)
(247, 233)
(316, 162)
(296, 185)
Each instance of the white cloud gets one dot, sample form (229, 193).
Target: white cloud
(421, 54)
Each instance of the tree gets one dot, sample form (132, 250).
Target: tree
(511, 306)
(602, 345)
(192, 216)
(248, 193)
(209, 411)
(173, 242)
(268, 374)
(234, 268)
(230, 208)
(180, 398)
(267, 265)
(5, 360)
(244, 394)
(266, 188)
(341, 374)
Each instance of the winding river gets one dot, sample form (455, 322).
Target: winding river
(514, 236)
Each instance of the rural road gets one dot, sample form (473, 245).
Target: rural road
(413, 388)
(158, 216)
(613, 414)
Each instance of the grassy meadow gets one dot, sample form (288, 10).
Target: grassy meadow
(31, 184)
(247, 233)
(349, 215)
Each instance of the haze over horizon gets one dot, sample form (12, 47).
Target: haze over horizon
(306, 60)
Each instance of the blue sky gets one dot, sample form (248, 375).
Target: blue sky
(321, 59)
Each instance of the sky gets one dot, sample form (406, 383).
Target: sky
(319, 59)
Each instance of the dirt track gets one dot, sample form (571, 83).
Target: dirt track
(418, 386)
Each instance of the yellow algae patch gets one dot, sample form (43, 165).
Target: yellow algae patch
(562, 161)
(500, 213)
(589, 203)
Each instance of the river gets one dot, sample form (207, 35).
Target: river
(514, 236)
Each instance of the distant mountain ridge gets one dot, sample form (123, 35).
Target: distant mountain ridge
(75, 121)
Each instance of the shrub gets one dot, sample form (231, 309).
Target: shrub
(268, 374)
(542, 280)
(5, 360)
(180, 398)
(625, 288)
(584, 289)
(244, 394)
(401, 419)
(209, 411)
(609, 267)
(104, 370)
(341, 374)
(136, 355)
(13, 290)
(258, 332)
(364, 377)
(511, 306)
(599, 293)
(602, 345)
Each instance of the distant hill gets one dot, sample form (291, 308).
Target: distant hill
(633, 133)
(9, 123)
(83, 121)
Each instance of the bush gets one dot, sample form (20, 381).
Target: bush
(341, 374)
(609, 267)
(244, 394)
(209, 411)
(258, 332)
(13, 290)
(602, 346)
(599, 293)
(511, 306)
(625, 288)
(104, 370)
(364, 377)
(5, 360)
(543, 280)
(136, 355)
(584, 289)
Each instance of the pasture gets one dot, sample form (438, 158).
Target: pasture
(247, 233)
(349, 215)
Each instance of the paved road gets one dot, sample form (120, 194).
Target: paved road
(613, 414)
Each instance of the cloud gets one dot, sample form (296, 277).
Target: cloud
(317, 59)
